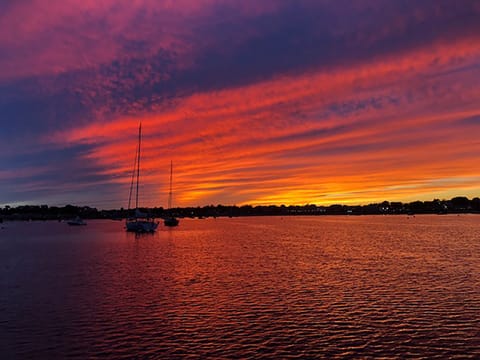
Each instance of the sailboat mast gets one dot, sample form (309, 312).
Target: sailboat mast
(170, 193)
(133, 178)
(138, 161)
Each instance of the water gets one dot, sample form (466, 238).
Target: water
(264, 287)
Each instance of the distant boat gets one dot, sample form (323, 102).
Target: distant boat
(77, 221)
(141, 222)
(170, 220)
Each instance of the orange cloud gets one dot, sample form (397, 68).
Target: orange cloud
(391, 129)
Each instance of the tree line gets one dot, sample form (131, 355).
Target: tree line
(459, 204)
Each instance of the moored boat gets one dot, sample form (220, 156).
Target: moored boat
(139, 223)
(77, 221)
(170, 220)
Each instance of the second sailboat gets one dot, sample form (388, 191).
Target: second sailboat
(170, 220)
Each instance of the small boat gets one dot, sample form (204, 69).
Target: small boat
(77, 221)
(170, 220)
(141, 222)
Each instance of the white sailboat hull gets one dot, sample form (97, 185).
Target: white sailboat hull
(141, 226)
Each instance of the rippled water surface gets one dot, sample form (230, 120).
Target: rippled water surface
(263, 287)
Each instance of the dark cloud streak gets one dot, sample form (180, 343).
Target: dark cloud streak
(298, 37)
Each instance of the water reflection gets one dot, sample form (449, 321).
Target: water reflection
(243, 287)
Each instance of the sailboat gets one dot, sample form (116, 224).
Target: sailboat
(141, 222)
(77, 221)
(170, 220)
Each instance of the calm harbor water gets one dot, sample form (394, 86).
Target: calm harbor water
(260, 287)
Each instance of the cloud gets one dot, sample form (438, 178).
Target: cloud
(272, 101)
(291, 138)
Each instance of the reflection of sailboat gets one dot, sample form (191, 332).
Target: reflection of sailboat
(141, 222)
(170, 220)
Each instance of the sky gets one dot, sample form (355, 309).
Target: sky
(255, 102)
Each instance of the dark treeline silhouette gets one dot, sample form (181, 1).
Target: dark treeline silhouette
(456, 205)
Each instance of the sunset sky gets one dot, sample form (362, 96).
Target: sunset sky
(255, 102)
